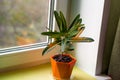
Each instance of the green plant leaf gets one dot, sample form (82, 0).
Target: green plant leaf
(53, 34)
(49, 33)
(75, 27)
(50, 47)
(74, 21)
(45, 50)
(58, 20)
(82, 39)
(64, 24)
(73, 33)
(80, 30)
(79, 21)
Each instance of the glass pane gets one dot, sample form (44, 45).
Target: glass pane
(22, 21)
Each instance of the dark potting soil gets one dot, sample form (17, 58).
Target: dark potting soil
(62, 58)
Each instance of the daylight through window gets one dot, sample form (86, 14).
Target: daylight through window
(22, 21)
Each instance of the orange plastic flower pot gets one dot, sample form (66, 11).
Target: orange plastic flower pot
(61, 70)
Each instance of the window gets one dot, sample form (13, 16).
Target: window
(22, 21)
(16, 52)
(21, 24)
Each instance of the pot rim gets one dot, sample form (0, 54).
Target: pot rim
(73, 59)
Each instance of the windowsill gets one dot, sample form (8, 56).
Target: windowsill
(41, 72)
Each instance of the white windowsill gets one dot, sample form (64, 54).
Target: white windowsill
(103, 77)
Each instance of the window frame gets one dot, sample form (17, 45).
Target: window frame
(15, 49)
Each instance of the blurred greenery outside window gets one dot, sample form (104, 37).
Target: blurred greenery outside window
(22, 21)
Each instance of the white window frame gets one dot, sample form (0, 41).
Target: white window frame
(29, 55)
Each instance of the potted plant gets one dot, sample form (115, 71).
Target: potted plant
(62, 63)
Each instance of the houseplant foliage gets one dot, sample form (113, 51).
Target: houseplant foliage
(67, 34)
(65, 37)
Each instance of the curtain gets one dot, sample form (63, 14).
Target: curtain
(114, 67)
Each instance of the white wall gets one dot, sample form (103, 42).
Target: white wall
(91, 12)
